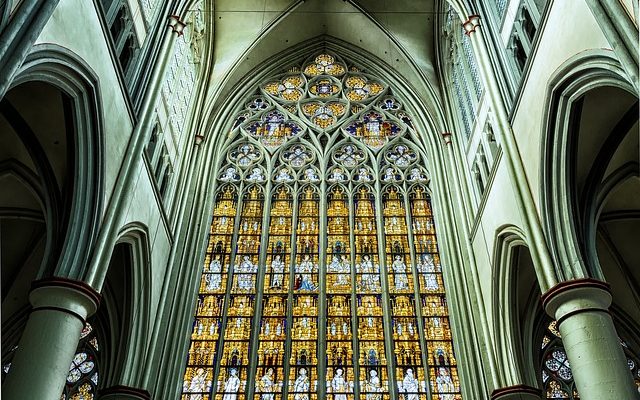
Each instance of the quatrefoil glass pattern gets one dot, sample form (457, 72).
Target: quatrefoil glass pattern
(287, 89)
(245, 155)
(359, 88)
(349, 155)
(401, 156)
(297, 156)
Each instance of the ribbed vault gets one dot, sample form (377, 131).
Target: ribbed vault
(399, 33)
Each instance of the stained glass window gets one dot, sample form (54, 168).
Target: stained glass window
(82, 380)
(322, 272)
(463, 73)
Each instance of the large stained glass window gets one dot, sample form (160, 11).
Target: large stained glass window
(322, 276)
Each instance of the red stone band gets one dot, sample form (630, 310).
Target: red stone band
(80, 286)
(573, 284)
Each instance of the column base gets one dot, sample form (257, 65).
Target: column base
(598, 363)
(517, 392)
(121, 392)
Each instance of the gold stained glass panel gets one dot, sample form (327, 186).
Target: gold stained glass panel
(443, 371)
(205, 332)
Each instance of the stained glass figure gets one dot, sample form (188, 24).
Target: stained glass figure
(366, 243)
(303, 378)
(310, 175)
(306, 269)
(372, 356)
(410, 375)
(390, 174)
(397, 243)
(324, 87)
(229, 174)
(271, 351)
(337, 174)
(234, 362)
(273, 129)
(255, 175)
(443, 371)
(277, 268)
(364, 175)
(284, 175)
(359, 88)
(417, 175)
(373, 129)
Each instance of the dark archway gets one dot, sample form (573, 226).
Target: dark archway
(36, 167)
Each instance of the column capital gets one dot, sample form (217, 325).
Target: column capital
(573, 297)
(446, 136)
(66, 295)
(198, 139)
(471, 24)
(517, 392)
(177, 25)
(121, 392)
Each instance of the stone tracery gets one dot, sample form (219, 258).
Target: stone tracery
(329, 235)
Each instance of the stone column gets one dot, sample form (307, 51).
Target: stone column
(517, 392)
(17, 39)
(598, 363)
(41, 364)
(121, 392)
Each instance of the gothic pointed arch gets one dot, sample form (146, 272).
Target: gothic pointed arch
(322, 274)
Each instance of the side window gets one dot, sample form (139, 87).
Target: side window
(120, 21)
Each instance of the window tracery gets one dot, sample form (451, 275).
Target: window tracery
(82, 380)
(332, 263)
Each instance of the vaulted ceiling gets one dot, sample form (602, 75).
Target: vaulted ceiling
(400, 33)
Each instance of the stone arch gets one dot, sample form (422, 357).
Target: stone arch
(516, 306)
(68, 73)
(52, 120)
(123, 320)
(590, 168)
